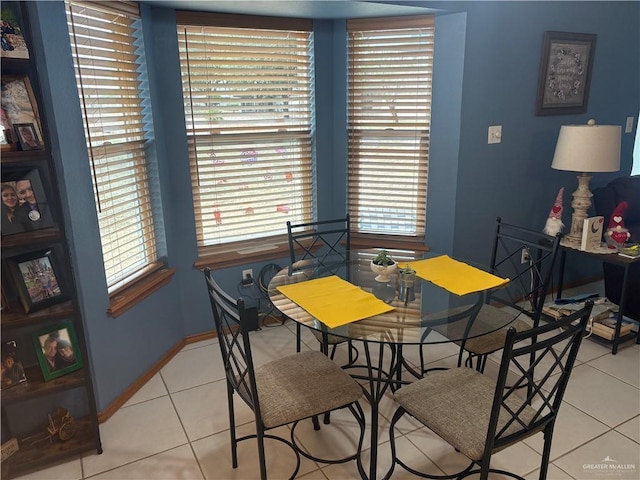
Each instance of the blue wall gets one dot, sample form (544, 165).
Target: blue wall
(486, 59)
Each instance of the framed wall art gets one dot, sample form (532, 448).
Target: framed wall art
(19, 102)
(27, 136)
(12, 369)
(565, 73)
(57, 350)
(13, 43)
(38, 279)
(25, 206)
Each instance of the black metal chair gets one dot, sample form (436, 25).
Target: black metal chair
(527, 258)
(283, 391)
(321, 246)
(480, 416)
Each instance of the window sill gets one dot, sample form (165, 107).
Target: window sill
(242, 254)
(368, 240)
(278, 247)
(126, 298)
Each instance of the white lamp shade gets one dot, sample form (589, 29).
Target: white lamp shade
(588, 148)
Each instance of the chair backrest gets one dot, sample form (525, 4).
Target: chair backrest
(529, 280)
(233, 323)
(323, 244)
(517, 412)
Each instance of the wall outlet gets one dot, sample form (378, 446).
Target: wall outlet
(629, 125)
(524, 255)
(247, 277)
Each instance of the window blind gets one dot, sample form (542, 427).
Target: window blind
(389, 88)
(247, 100)
(104, 42)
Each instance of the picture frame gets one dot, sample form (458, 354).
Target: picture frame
(565, 73)
(27, 136)
(38, 279)
(25, 206)
(13, 42)
(12, 370)
(57, 350)
(19, 102)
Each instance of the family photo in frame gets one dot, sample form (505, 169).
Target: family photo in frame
(57, 350)
(24, 204)
(12, 369)
(565, 73)
(19, 107)
(38, 279)
(13, 42)
(27, 136)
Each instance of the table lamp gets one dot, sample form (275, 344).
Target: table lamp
(585, 148)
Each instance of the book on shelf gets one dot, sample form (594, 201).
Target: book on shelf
(606, 327)
(630, 251)
(8, 448)
(592, 233)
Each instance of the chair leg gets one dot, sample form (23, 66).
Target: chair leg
(261, 455)
(546, 450)
(298, 334)
(232, 428)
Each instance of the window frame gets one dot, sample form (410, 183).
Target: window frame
(362, 124)
(229, 253)
(140, 277)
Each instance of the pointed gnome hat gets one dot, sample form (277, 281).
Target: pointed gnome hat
(556, 210)
(616, 220)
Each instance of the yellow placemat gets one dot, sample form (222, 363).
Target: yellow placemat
(334, 301)
(456, 277)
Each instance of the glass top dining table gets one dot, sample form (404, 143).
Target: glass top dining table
(423, 314)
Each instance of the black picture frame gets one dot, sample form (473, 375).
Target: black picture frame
(13, 42)
(25, 216)
(565, 73)
(38, 278)
(12, 369)
(27, 136)
(58, 350)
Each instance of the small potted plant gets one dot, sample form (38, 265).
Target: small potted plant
(383, 265)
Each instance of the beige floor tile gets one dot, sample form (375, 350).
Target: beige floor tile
(136, 432)
(611, 456)
(573, 428)
(214, 455)
(203, 410)
(193, 367)
(553, 473)
(631, 429)
(178, 463)
(624, 365)
(603, 397)
(154, 388)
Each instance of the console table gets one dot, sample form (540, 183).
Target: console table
(614, 259)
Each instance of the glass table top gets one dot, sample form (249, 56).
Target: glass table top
(423, 313)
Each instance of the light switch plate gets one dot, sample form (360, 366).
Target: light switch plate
(495, 134)
(629, 126)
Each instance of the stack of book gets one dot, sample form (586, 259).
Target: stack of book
(603, 317)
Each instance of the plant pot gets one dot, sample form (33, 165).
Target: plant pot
(383, 271)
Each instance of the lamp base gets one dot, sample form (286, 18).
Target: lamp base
(581, 204)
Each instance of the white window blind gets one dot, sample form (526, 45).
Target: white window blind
(390, 71)
(247, 100)
(104, 42)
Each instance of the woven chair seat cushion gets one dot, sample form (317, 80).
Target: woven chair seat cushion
(331, 339)
(302, 385)
(490, 342)
(456, 405)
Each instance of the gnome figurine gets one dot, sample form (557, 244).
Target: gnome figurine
(554, 222)
(616, 234)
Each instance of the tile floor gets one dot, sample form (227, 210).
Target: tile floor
(176, 426)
